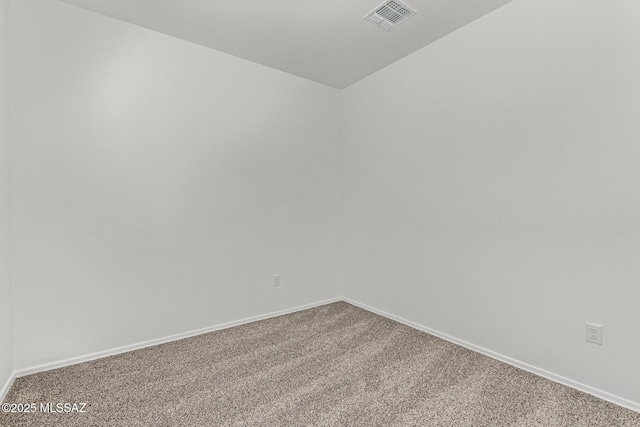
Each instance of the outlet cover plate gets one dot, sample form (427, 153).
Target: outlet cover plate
(594, 333)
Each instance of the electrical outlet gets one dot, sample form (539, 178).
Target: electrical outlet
(276, 279)
(594, 333)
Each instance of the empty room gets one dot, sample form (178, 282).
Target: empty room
(320, 213)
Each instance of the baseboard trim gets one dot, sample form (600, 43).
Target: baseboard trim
(163, 340)
(7, 386)
(634, 406)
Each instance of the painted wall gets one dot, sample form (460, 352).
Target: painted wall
(158, 185)
(6, 343)
(492, 187)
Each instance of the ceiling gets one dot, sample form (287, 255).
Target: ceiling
(326, 41)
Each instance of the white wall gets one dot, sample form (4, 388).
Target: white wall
(492, 187)
(157, 185)
(6, 343)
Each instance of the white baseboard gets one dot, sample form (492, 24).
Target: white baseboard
(5, 388)
(140, 345)
(634, 406)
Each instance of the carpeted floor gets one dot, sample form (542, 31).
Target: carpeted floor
(335, 365)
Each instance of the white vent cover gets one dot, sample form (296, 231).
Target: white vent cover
(390, 14)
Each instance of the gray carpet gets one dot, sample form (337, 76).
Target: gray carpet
(335, 365)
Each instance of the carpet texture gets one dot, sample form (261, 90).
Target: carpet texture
(335, 365)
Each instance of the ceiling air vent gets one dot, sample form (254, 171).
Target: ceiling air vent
(390, 14)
